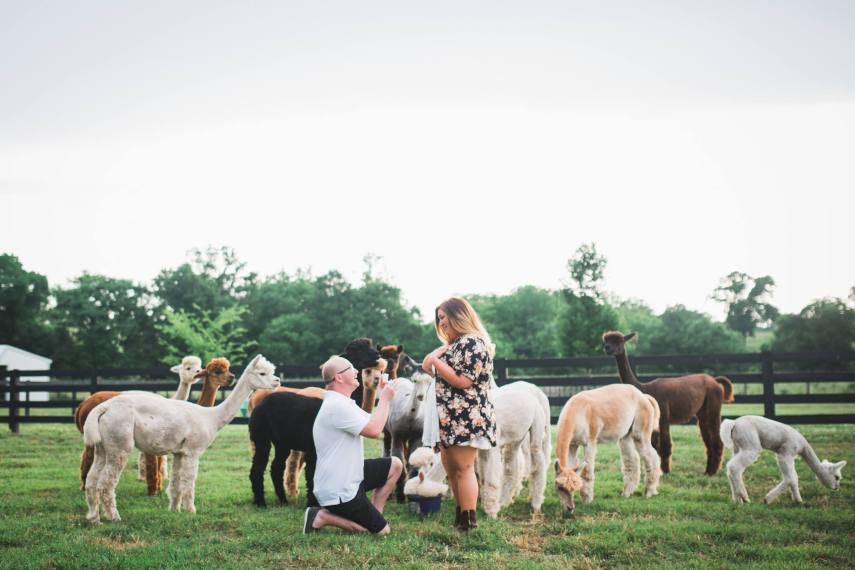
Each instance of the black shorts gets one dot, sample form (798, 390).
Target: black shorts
(359, 509)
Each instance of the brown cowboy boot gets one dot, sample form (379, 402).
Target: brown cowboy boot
(458, 520)
(467, 521)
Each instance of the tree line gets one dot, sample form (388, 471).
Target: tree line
(213, 305)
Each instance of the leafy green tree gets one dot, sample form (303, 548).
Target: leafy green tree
(636, 316)
(585, 314)
(23, 299)
(204, 335)
(102, 322)
(747, 303)
(824, 325)
(522, 324)
(685, 331)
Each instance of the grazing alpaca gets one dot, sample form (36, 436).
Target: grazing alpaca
(679, 399)
(187, 370)
(406, 420)
(522, 424)
(615, 412)
(152, 468)
(749, 435)
(157, 425)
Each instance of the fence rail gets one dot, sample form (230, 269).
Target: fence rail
(559, 377)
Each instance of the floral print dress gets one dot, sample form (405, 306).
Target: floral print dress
(466, 415)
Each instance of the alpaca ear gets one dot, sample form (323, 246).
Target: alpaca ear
(400, 348)
(176, 369)
(255, 360)
(421, 475)
(630, 336)
(840, 465)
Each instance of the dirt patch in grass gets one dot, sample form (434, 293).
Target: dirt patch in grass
(529, 542)
(119, 543)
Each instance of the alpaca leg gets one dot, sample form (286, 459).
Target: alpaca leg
(786, 463)
(99, 458)
(277, 473)
(490, 467)
(630, 465)
(587, 492)
(397, 450)
(665, 446)
(735, 468)
(174, 490)
(141, 467)
(709, 422)
(190, 469)
(511, 473)
(652, 470)
(109, 479)
(537, 480)
(86, 464)
(152, 470)
(164, 471)
(293, 466)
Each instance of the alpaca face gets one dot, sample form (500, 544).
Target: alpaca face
(362, 353)
(421, 383)
(613, 342)
(371, 378)
(392, 354)
(188, 369)
(217, 373)
(567, 482)
(831, 474)
(262, 374)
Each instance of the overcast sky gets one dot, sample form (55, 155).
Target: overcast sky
(472, 145)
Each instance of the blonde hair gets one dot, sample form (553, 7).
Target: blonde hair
(463, 320)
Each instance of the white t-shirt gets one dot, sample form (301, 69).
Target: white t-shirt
(338, 472)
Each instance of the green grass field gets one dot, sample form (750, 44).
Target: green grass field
(692, 522)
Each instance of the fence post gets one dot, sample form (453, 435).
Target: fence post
(3, 391)
(501, 373)
(768, 375)
(14, 396)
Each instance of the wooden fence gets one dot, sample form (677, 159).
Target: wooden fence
(560, 378)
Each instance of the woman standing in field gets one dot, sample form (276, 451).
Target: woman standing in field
(464, 369)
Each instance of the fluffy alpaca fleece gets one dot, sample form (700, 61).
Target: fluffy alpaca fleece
(421, 484)
(522, 422)
(157, 425)
(152, 468)
(615, 412)
(186, 370)
(680, 399)
(406, 421)
(749, 435)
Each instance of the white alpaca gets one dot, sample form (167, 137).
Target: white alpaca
(615, 412)
(422, 484)
(157, 426)
(749, 435)
(522, 425)
(187, 372)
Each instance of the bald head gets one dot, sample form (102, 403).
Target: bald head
(333, 366)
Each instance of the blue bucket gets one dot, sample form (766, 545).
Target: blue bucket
(424, 505)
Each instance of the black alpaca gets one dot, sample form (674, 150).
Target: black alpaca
(284, 420)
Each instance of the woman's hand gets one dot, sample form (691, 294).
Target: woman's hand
(430, 360)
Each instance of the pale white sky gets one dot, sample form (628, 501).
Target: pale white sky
(473, 145)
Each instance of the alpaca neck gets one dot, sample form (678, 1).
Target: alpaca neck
(807, 453)
(368, 397)
(627, 376)
(183, 391)
(562, 443)
(393, 373)
(208, 395)
(228, 409)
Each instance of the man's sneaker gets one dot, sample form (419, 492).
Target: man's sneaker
(309, 518)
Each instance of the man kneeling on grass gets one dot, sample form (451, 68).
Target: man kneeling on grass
(342, 476)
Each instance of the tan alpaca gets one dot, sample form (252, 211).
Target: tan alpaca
(618, 412)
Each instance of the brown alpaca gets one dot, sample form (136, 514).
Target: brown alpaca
(392, 354)
(680, 399)
(216, 374)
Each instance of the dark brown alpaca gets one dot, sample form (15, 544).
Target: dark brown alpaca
(392, 354)
(680, 399)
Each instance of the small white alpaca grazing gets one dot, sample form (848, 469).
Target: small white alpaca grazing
(615, 412)
(157, 426)
(422, 484)
(749, 435)
(522, 425)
